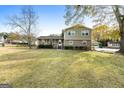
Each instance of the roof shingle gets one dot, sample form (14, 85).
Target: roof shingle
(77, 26)
(50, 37)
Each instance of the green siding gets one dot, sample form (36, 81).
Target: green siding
(78, 38)
(78, 35)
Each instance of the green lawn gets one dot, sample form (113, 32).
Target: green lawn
(60, 68)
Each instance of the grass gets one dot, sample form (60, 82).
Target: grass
(20, 67)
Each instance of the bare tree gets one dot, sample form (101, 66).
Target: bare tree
(25, 23)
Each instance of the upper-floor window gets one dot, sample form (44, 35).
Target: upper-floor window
(71, 33)
(84, 33)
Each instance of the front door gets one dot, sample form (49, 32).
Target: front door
(60, 44)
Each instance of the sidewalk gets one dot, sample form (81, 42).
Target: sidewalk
(107, 50)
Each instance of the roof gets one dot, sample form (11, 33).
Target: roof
(50, 37)
(77, 26)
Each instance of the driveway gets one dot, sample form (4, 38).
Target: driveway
(106, 50)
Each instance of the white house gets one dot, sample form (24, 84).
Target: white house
(113, 44)
(2, 40)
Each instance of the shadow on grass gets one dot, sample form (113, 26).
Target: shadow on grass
(100, 72)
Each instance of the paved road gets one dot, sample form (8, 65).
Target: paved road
(107, 50)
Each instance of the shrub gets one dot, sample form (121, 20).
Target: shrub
(45, 46)
(77, 47)
(81, 47)
(68, 47)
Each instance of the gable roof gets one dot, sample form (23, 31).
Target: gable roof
(50, 37)
(77, 26)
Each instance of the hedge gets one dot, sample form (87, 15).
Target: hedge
(45, 46)
(68, 47)
(76, 47)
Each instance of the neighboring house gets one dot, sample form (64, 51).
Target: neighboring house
(77, 36)
(55, 41)
(18, 42)
(112, 44)
(2, 40)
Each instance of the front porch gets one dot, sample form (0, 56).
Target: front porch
(53, 41)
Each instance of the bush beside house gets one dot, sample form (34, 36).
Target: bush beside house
(45, 46)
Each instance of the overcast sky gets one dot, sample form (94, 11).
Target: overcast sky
(51, 20)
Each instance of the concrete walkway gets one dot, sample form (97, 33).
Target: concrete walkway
(107, 50)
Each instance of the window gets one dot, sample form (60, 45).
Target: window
(87, 33)
(71, 33)
(84, 33)
(70, 42)
(84, 43)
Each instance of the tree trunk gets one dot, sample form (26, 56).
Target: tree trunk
(120, 19)
(122, 37)
(29, 41)
(29, 34)
(29, 44)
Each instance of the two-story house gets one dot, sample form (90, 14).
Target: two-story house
(77, 36)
